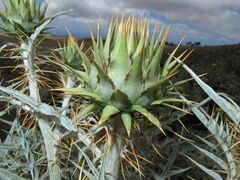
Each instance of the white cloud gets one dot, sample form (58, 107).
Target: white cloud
(198, 19)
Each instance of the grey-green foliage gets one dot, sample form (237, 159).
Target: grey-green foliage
(18, 153)
(217, 128)
(227, 105)
(70, 53)
(25, 18)
(22, 17)
(42, 110)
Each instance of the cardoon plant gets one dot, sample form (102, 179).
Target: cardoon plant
(125, 80)
(26, 20)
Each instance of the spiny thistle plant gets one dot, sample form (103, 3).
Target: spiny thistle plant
(22, 17)
(125, 78)
(70, 53)
(25, 19)
(125, 75)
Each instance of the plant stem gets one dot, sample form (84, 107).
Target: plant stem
(65, 104)
(50, 136)
(112, 158)
(27, 54)
(113, 150)
(222, 138)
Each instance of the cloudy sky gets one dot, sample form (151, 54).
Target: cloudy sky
(211, 22)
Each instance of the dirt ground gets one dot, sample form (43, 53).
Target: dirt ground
(222, 65)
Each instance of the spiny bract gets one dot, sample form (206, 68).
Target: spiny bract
(22, 17)
(70, 53)
(125, 74)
